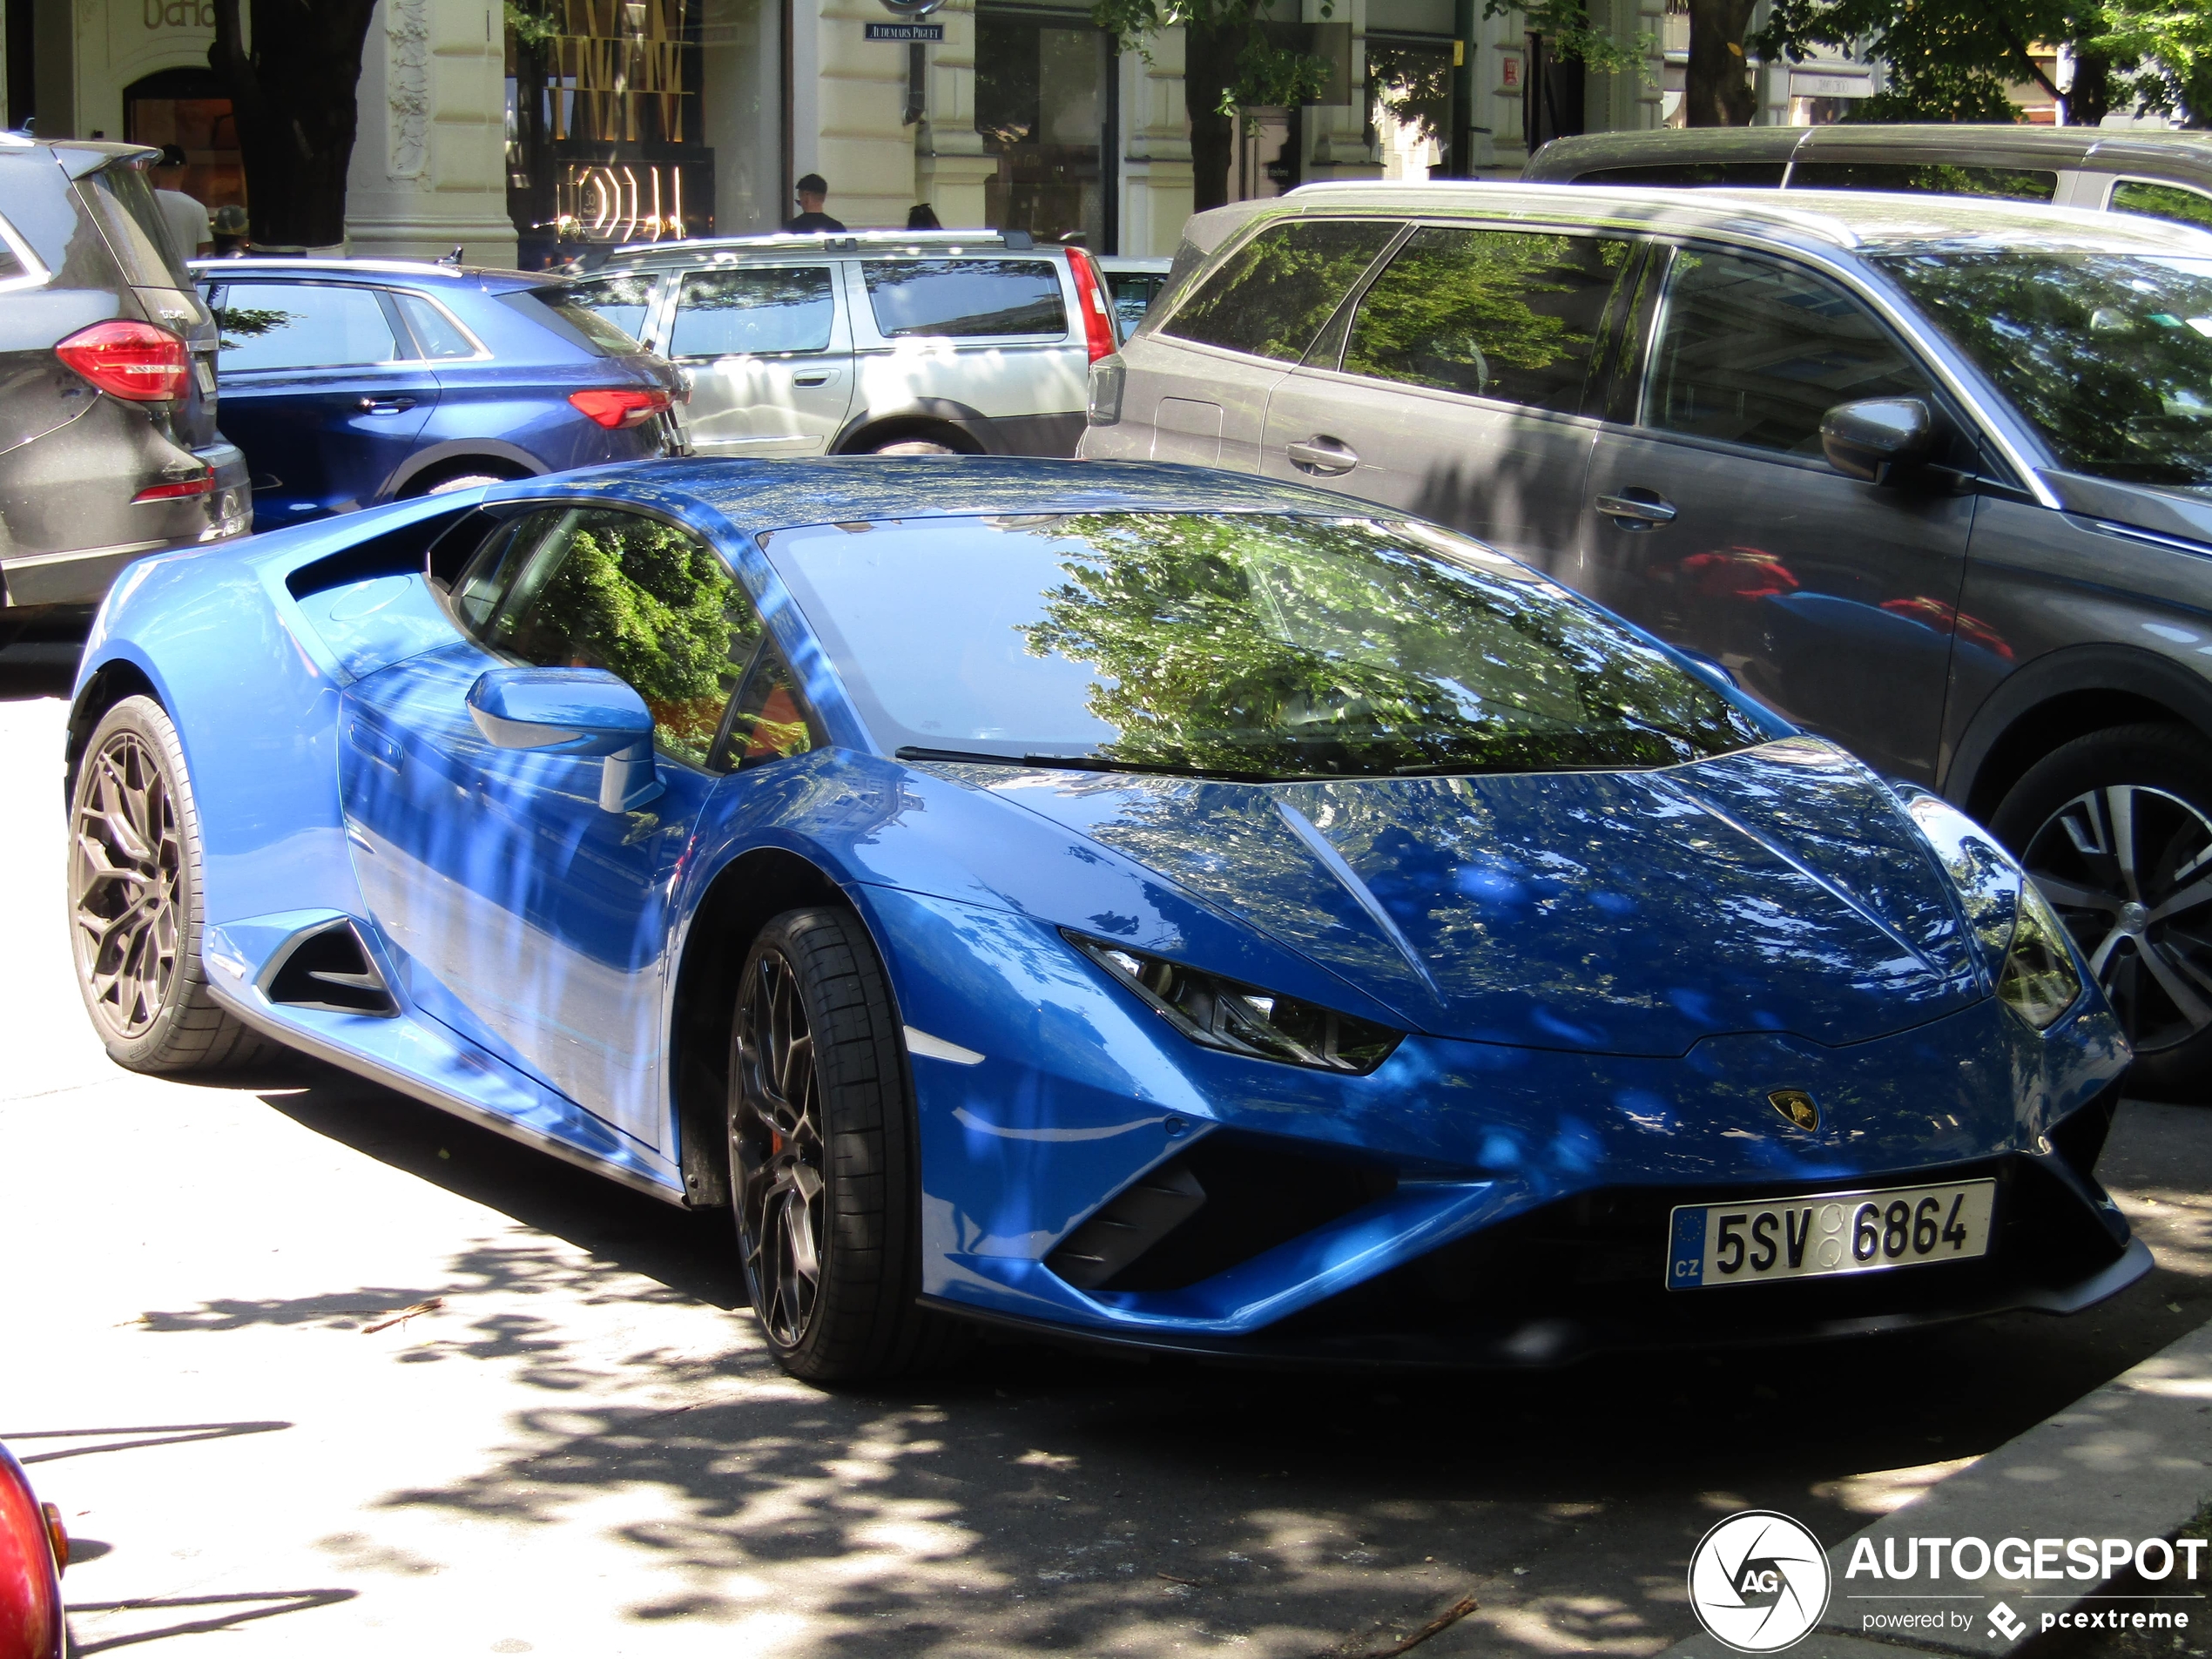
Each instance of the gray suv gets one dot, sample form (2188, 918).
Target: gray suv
(1930, 475)
(968, 343)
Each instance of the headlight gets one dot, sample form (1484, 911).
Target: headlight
(1107, 376)
(2022, 939)
(2039, 983)
(1221, 1013)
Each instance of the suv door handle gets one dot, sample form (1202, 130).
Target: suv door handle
(1643, 510)
(814, 377)
(1327, 456)
(385, 405)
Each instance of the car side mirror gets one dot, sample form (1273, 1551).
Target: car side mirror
(582, 711)
(1878, 439)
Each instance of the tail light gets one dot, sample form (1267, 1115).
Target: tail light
(178, 488)
(128, 359)
(620, 405)
(1090, 299)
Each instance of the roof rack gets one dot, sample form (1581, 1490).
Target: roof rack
(843, 242)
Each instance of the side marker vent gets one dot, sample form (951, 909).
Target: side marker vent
(1133, 1220)
(331, 970)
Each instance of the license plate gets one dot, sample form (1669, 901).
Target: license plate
(1759, 1240)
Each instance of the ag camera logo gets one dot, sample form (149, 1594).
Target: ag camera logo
(1759, 1581)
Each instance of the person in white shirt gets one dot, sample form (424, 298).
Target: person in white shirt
(189, 226)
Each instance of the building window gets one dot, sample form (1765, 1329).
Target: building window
(1044, 105)
(190, 108)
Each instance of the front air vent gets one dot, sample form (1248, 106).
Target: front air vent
(1132, 1221)
(330, 970)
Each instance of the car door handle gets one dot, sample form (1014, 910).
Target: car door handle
(385, 405)
(816, 377)
(1327, 456)
(1643, 511)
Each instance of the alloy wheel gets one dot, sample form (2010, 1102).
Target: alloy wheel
(126, 882)
(2130, 869)
(776, 1149)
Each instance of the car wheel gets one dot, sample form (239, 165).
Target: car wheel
(134, 901)
(464, 481)
(2116, 829)
(914, 447)
(822, 1166)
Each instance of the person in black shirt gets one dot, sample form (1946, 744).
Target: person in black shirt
(812, 190)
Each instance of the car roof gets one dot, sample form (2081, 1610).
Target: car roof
(693, 250)
(2104, 149)
(762, 494)
(1862, 221)
(489, 276)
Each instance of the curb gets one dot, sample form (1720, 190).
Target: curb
(2130, 1460)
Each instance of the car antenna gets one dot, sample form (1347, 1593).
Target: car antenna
(452, 258)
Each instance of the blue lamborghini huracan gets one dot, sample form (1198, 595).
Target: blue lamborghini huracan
(1133, 903)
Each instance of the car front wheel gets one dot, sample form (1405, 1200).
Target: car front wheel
(134, 902)
(2116, 829)
(822, 1165)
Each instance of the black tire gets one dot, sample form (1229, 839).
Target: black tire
(822, 1160)
(2113, 826)
(134, 901)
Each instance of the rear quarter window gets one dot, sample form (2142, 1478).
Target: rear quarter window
(1272, 295)
(130, 221)
(2176, 202)
(563, 312)
(966, 299)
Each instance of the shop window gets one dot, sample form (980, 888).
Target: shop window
(1409, 104)
(191, 109)
(1043, 103)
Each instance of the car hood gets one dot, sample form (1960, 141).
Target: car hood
(1780, 889)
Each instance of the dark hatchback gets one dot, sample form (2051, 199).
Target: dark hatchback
(349, 382)
(108, 446)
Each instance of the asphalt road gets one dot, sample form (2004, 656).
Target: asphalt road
(577, 1446)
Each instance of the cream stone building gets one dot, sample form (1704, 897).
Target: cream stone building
(602, 121)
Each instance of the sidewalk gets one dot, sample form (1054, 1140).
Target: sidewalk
(2132, 1460)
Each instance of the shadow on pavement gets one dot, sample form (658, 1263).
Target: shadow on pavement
(1041, 1499)
(251, 1604)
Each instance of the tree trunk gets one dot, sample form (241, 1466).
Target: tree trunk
(2090, 98)
(1209, 70)
(292, 97)
(1717, 86)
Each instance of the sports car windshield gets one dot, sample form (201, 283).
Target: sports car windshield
(2108, 354)
(1235, 644)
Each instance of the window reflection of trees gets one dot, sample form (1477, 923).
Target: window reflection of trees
(2110, 355)
(1276, 291)
(1502, 314)
(1302, 647)
(653, 605)
(965, 298)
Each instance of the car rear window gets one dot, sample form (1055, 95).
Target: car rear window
(745, 312)
(1274, 295)
(2014, 184)
(966, 299)
(559, 309)
(130, 221)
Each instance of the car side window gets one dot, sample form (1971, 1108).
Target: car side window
(965, 298)
(626, 300)
(437, 336)
(1516, 316)
(301, 324)
(1275, 293)
(1943, 178)
(769, 720)
(2176, 202)
(1763, 175)
(755, 311)
(1756, 353)
(590, 587)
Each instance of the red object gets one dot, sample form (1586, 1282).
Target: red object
(1091, 297)
(620, 405)
(205, 484)
(32, 1548)
(128, 359)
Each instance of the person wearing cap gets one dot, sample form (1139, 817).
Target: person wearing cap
(189, 226)
(812, 190)
(232, 234)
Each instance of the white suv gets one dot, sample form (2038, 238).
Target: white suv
(970, 342)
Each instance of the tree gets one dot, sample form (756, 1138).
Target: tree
(1953, 60)
(1229, 64)
(293, 95)
(1716, 85)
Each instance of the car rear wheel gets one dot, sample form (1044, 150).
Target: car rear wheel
(822, 1163)
(2116, 829)
(134, 901)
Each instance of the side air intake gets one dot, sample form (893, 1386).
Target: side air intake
(329, 969)
(1132, 1222)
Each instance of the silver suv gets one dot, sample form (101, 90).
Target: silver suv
(892, 342)
(1930, 475)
